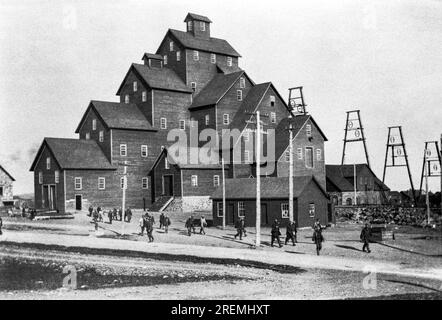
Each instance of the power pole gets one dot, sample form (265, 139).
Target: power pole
(427, 197)
(432, 162)
(291, 172)
(355, 181)
(224, 194)
(123, 205)
(440, 157)
(258, 180)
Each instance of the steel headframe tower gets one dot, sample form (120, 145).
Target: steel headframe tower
(395, 151)
(431, 166)
(354, 125)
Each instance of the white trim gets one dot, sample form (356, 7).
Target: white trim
(218, 208)
(243, 209)
(313, 156)
(75, 183)
(142, 183)
(125, 149)
(147, 150)
(196, 180)
(111, 145)
(104, 183)
(153, 109)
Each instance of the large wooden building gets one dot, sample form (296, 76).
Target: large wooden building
(192, 83)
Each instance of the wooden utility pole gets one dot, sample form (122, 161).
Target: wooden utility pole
(224, 194)
(123, 205)
(427, 197)
(258, 180)
(291, 172)
(355, 181)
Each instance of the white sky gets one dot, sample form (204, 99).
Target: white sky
(382, 57)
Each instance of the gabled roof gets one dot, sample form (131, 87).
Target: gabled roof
(116, 115)
(152, 56)
(157, 78)
(227, 70)
(7, 173)
(215, 45)
(338, 173)
(272, 187)
(216, 89)
(193, 16)
(282, 134)
(75, 154)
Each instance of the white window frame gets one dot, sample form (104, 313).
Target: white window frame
(193, 86)
(87, 136)
(308, 130)
(287, 155)
(207, 119)
(144, 96)
(101, 183)
(246, 134)
(226, 118)
(145, 183)
(311, 209)
(48, 163)
(242, 82)
(318, 155)
(216, 180)
(182, 124)
(313, 158)
(165, 59)
(178, 55)
(171, 46)
(40, 177)
(213, 58)
(126, 99)
(202, 26)
(144, 151)
(78, 183)
(189, 25)
(219, 209)
(166, 163)
(299, 152)
(239, 95)
(285, 210)
(57, 176)
(194, 180)
(241, 208)
(272, 101)
(123, 183)
(246, 156)
(135, 86)
(163, 123)
(101, 136)
(196, 55)
(94, 124)
(123, 150)
(273, 117)
(229, 61)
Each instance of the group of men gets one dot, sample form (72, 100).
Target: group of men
(98, 215)
(290, 233)
(190, 225)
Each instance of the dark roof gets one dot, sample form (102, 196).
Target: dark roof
(116, 115)
(7, 173)
(198, 17)
(227, 70)
(75, 154)
(157, 78)
(215, 89)
(152, 56)
(272, 187)
(338, 173)
(214, 45)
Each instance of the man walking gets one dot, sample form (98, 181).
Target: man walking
(318, 239)
(149, 229)
(189, 225)
(142, 224)
(239, 225)
(276, 233)
(203, 225)
(365, 238)
(166, 223)
(291, 232)
(91, 209)
(161, 220)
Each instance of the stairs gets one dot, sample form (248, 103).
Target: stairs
(160, 203)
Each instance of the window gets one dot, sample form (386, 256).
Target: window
(94, 124)
(165, 60)
(202, 26)
(101, 136)
(194, 180)
(78, 183)
(145, 183)
(135, 86)
(246, 156)
(196, 55)
(246, 135)
(311, 210)
(226, 118)
(299, 151)
(144, 96)
(1, 191)
(239, 95)
(57, 176)
(318, 154)
(273, 117)
(123, 150)
(144, 151)
(229, 61)
(189, 25)
(215, 180)
(309, 157)
(207, 119)
(40, 177)
(308, 129)
(87, 136)
(48, 163)
(219, 210)
(272, 101)
(193, 85)
(101, 183)
(287, 156)
(242, 82)
(241, 209)
(178, 56)
(123, 183)
(171, 45)
(284, 210)
(213, 58)
(183, 124)
(166, 163)
(163, 123)
(126, 98)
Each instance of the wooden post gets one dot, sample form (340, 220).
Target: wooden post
(258, 180)
(123, 205)
(355, 181)
(291, 173)
(427, 197)
(224, 194)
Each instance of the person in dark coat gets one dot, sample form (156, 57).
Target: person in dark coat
(166, 223)
(189, 225)
(275, 233)
(365, 237)
(115, 214)
(128, 214)
(152, 219)
(203, 225)
(291, 232)
(149, 229)
(100, 214)
(23, 212)
(239, 225)
(120, 214)
(161, 220)
(318, 239)
(1, 225)
(91, 209)
(109, 216)
(95, 219)
(317, 225)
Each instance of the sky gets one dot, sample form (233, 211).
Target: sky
(383, 58)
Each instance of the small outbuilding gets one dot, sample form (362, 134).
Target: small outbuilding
(310, 201)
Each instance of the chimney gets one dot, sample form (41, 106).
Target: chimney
(197, 25)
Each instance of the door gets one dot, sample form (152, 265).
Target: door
(167, 186)
(52, 199)
(230, 213)
(77, 202)
(264, 215)
(45, 202)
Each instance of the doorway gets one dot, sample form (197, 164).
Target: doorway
(264, 215)
(230, 213)
(78, 202)
(168, 185)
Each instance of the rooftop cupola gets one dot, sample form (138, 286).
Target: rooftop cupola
(198, 25)
(153, 60)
